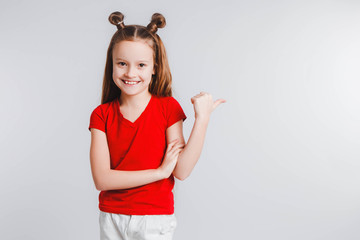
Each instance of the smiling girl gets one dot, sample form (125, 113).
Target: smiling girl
(137, 144)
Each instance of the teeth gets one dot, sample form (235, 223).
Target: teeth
(132, 83)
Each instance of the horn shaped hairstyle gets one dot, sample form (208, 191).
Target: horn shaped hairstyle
(160, 84)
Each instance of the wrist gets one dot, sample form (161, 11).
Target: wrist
(159, 173)
(203, 118)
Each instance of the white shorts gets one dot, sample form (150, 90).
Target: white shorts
(140, 227)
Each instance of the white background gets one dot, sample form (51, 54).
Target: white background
(281, 157)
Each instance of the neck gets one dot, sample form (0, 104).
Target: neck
(136, 101)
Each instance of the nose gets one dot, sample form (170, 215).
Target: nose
(131, 72)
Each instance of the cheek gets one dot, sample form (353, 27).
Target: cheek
(117, 72)
(149, 73)
(147, 77)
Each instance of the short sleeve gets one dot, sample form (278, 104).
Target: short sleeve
(97, 119)
(174, 112)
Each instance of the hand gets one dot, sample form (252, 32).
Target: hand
(170, 158)
(204, 105)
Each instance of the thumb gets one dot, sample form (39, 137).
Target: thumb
(218, 102)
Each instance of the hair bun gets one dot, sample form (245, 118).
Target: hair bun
(116, 18)
(157, 21)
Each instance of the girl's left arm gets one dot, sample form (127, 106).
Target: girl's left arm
(190, 154)
(188, 157)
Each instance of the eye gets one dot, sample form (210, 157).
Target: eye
(122, 63)
(142, 65)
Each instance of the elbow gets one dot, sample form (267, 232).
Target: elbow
(100, 180)
(99, 188)
(182, 174)
(181, 177)
(99, 185)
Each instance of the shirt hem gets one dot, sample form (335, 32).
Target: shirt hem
(137, 211)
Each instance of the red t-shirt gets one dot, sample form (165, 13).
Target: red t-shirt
(138, 145)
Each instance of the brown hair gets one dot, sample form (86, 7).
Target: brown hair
(160, 84)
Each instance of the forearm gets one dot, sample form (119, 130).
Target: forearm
(192, 150)
(117, 179)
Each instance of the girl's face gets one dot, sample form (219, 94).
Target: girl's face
(133, 66)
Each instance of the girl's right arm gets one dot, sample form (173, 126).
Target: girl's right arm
(106, 178)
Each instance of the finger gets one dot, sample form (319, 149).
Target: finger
(195, 97)
(218, 102)
(178, 143)
(170, 145)
(174, 149)
(199, 94)
(177, 152)
(173, 141)
(180, 147)
(171, 150)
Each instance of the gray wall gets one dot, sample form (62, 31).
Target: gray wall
(281, 157)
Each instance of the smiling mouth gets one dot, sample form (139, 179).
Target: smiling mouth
(131, 82)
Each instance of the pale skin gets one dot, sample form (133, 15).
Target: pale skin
(180, 157)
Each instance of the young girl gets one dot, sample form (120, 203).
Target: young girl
(137, 144)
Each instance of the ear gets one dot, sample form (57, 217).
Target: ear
(153, 73)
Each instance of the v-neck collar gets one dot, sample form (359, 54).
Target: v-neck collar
(138, 119)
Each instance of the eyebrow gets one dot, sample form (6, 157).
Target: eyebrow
(138, 60)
